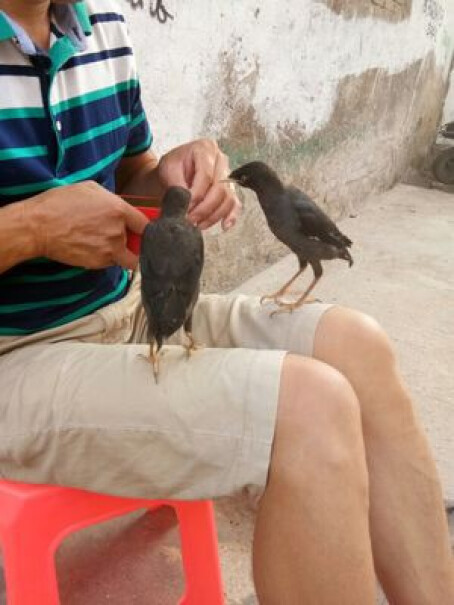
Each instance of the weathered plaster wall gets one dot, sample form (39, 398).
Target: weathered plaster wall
(448, 113)
(341, 97)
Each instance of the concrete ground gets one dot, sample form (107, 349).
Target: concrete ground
(403, 275)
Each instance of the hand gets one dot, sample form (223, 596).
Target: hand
(84, 225)
(199, 166)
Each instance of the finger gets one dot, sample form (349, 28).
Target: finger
(208, 205)
(135, 220)
(207, 208)
(229, 221)
(221, 170)
(203, 175)
(222, 167)
(221, 211)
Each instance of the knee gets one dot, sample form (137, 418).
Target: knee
(319, 422)
(349, 337)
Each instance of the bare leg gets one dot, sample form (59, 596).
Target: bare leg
(274, 297)
(409, 530)
(312, 543)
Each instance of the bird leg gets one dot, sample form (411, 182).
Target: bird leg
(285, 307)
(191, 346)
(153, 358)
(275, 297)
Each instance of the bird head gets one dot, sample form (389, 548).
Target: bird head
(257, 176)
(175, 201)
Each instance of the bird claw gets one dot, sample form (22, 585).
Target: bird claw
(308, 301)
(192, 346)
(282, 303)
(270, 299)
(284, 308)
(289, 307)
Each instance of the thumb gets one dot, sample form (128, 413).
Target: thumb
(135, 220)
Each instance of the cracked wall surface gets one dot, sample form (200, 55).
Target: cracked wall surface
(342, 98)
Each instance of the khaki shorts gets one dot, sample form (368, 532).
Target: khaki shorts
(80, 407)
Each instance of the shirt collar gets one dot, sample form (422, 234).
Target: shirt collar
(72, 19)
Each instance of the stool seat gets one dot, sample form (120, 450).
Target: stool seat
(34, 519)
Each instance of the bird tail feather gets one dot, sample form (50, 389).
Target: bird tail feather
(173, 311)
(345, 255)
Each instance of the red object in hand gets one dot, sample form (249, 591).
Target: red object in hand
(133, 241)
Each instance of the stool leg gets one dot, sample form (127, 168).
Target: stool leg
(200, 553)
(29, 572)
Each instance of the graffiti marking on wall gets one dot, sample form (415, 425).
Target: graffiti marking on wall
(156, 9)
(435, 14)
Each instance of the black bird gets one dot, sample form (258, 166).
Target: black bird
(171, 262)
(297, 222)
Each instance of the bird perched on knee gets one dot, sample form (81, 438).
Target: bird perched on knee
(171, 262)
(297, 222)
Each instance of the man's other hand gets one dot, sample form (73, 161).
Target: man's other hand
(200, 166)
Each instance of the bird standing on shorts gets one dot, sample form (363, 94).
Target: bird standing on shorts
(297, 222)
(171, 262)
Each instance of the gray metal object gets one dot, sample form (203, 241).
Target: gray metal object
(443, 164)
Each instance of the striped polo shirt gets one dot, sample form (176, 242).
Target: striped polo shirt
(67, 115)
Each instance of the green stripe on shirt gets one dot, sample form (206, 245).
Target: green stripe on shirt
(95, 95)
(22, 112)
(97, 304)
(42, 304)
(14, 153)
(97, 131)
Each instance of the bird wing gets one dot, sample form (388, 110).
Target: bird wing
(313, 222)
(171, 263)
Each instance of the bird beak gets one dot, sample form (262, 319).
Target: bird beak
(228, 180)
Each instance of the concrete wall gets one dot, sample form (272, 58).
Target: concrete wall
(341, 97)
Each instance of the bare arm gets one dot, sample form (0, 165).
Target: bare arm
(18, 241)
(139, 175)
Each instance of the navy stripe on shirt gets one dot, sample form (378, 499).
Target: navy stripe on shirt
(99, 56)
(18, 70)
(105, 18)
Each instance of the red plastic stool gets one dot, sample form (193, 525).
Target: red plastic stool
(35, 518)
